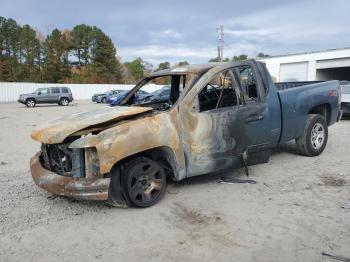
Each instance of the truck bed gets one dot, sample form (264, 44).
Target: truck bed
(299, 99)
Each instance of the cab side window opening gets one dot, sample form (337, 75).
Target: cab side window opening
(248, 83)
(166, 94)
(220, 92)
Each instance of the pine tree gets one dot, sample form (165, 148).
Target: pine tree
(56, 51)
(162, 66)
(136, 69)
(105, 65)
(30, 52)
(81, 43)
(10, 35)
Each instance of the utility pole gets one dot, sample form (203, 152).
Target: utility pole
(220, 32)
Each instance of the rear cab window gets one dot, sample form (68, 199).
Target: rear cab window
(248, 84)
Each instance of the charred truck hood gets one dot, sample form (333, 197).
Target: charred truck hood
(58, 130)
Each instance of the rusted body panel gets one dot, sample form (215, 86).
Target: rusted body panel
(89, 189)
(138, 135)
(57, 130)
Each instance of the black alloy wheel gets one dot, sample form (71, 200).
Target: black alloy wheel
(144, 182)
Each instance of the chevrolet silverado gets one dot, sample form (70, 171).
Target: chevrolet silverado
(218, 116)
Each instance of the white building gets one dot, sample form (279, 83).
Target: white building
(313, 66)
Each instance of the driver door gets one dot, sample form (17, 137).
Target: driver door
(212, 125)
(44, 95)
(226, 117)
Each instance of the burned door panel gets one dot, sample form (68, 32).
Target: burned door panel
(262, 114)
(216, 140)
(215, 136)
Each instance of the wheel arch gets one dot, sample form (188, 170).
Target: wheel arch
(164, 154)
(62, 97)
(33, 98)
(322, 109)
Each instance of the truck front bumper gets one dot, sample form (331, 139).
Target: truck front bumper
(79, 188)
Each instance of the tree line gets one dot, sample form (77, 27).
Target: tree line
(84, 54)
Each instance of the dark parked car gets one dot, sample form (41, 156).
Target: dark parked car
(48, 95)
(102, 98)
(160, 96)
(114, 100)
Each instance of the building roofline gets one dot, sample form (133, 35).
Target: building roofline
(304, 53)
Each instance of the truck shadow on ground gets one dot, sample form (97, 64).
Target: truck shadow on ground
(288, 147)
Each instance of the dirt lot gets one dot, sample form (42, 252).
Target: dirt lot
(293, 213)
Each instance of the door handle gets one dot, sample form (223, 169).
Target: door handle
(253, 118)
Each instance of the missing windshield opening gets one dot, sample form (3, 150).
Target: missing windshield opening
(160, 92)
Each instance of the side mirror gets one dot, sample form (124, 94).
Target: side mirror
(39, 93)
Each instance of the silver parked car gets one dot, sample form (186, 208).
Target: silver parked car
(48, 95)
(345, 98)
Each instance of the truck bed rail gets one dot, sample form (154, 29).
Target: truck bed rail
(286, 85)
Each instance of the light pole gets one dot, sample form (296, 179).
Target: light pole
(220, 32)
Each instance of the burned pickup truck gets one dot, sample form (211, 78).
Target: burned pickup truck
(218, 116)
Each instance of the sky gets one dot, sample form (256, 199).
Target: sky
(180, 30)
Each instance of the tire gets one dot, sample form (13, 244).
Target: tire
(315, 136)
(64, 102)
(30, 102)
(116, 195)
(103, 101)
(143, 182)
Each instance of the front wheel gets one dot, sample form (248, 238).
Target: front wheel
(64, 102)
(315, 136)
(144, 182)
(30, 102)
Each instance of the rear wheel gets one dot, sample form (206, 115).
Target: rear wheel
(144, 182)
(64, 102)
(315, 136)
(103, 100)
(30, 102)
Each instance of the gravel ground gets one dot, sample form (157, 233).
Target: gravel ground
(293, 213)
